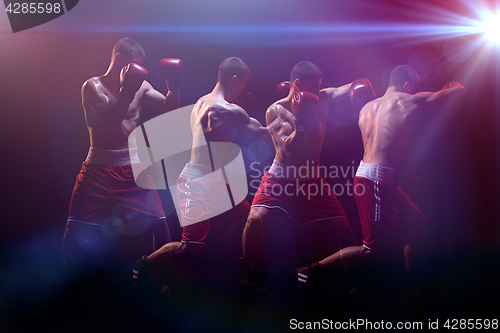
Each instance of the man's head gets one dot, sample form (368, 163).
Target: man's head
(233, 75)
(404, 79)
(307, 77)
(127, 50)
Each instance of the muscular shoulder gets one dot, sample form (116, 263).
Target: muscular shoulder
(273, 110)
(386, 104)
(92, 84)
(278, 110)
(93, 90)
(410, 104)
(223, 107)
(222, 111)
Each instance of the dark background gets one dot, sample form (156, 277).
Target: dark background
(450, 169)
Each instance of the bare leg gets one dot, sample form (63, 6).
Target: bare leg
(346, 256)
(415, 236)
(69, 256)
(253, 239)
(162, 259)
(326, 236)
(174, 250)
(161, 236)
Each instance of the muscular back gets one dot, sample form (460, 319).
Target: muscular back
(386, 122)
(215, 121)
(385, 125)
(102, 135)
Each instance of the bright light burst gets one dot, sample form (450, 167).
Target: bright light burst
(491, 27)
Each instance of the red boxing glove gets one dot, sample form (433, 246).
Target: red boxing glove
(361, 92)
(283, 89)
(451, 84)
(170, 69)
(303, 107)
(131, 78)
(244, 99)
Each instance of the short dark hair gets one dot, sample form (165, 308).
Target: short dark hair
(305, 70)
(230, 67)
(402, 74)
(126, 46)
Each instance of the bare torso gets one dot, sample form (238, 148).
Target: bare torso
(102, 135)
(385, 127)
(212, 122)
(309, 152)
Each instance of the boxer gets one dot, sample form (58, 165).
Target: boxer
(385, 125)
(215, 118)
(110, 217)
(297, 126)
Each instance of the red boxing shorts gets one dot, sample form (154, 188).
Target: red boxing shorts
(198, 200)
(106, 193)
(383, 207)
(308, 199)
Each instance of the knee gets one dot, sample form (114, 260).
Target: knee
(253, 220)
(367, 252)
(367, 255)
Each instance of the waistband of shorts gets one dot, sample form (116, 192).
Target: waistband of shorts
(194, 171)
(374, 172)
(112, 157)
(274, 169)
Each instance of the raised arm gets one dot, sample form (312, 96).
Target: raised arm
(332, 94)
(159, 102)
(247, 125)
(452, 91)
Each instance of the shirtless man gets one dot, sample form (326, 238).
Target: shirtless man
(383, 207)
(109, 214)
(215, 119)
(297, 126)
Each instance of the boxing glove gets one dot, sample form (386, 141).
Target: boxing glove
(131, 78)
(170, 70)
(283, 89)
(303, 107)
(244, 99)
(361, 92)
(451, 85)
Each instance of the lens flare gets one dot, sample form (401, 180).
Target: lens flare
(491, 28)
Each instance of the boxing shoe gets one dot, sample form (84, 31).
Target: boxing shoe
(311, 275)
(253, 282)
